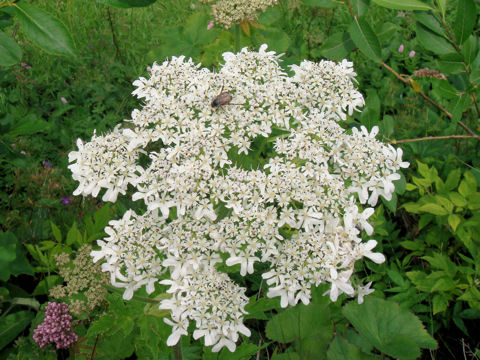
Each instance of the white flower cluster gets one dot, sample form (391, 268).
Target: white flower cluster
(270, 176)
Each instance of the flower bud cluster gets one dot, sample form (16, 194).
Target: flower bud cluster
(56, 327)
(85, 282)
(230, 12)
(273, 178)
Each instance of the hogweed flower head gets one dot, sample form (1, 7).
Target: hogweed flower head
(299, 209)
(230, 12)
(56, 327)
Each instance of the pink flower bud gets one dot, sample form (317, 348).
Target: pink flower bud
(149, 69)
(411, 54)
(401, 48)
(64, 100)
(210, 25)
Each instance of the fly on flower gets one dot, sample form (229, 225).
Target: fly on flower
(223, 98)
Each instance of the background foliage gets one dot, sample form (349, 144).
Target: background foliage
(66, 68)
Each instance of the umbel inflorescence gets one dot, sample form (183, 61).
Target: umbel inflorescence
(272, 179)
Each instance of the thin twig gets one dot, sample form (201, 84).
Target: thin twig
(436, 138)
(114, 36)
(406, 80)
(94, 348)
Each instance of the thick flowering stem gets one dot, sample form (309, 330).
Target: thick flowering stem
(177, 351)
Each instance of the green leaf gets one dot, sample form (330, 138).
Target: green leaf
(276, 38)
(309, 326)
(451, 63)
(385, 31)
(10, 52)
(465, 20)
(29, 127)
(44, 30)
(365, 39)
(12, 325)
(452, 179)
(360, 7)
(442, 6)
(337, 46)
(74, 236)
(57, 234)
(454, 220)
(287, 356)
(470, 49)
(433, 209)
(475, 77)
(432, 41)
(242, 352)
(403, 4)
(430, 22)
(126, 4)
(391, 329)
(321, 3)
(12, 257)
(46, 284)
(341, 349)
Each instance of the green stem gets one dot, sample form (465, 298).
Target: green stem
(177, 350)
(237, 37)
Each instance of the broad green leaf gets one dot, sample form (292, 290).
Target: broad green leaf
(360, 7)
(242, 352)
(44, 30)
(465, 20)
(457, 199)
(287, 356)
(341, 349)
(385, 31)
(337, 46)
(388, 125)
(365, 39)
(453, 179)
(451, 63)
(430, 22)
(5, 20)
(475, 77)
(12, 325)
(432, 41)
(442, 262)
(321, 3)
(126, 4)
(470, 49)
(433, 209)
(276, 38)
(12, 257)
(256, 308)
(29, 127)
(391, 329)
(10, 52)
(308, 326)
(454, 220)
(403, 4)
(474, 201)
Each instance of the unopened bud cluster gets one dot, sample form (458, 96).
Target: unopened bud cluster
(85, 282)
(230, 12)
(56, 327)
(273, 178)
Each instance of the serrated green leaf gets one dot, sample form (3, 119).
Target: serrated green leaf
(465, 20)
(12, 325)
(403, 4)
(309, 326)
(10, 52)
(391, 329)
(365, 39)
(44, 30)
(341, 349)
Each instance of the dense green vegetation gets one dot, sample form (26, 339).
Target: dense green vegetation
(418, 67)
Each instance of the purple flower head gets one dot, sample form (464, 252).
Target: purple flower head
(401, 48)
(56, 327)
(90, 46)
(411, 54)
(47, 163)
(66, 201)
